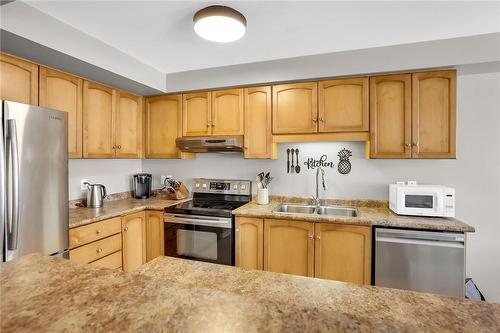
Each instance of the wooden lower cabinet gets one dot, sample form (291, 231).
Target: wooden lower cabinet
(134, 240)
(112, 261)
(289, 247)
(342, 253)
(96, 250)
(154, 234)
(249, 243)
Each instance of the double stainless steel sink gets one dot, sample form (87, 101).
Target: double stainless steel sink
(321, 210)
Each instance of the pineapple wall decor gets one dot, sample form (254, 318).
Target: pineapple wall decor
(344, 165)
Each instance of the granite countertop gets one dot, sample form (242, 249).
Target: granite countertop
(79, 216)
(370, 212)
(42, 293)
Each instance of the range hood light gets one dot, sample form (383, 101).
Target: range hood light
(219, 24)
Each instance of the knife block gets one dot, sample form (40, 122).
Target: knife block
(180, 193)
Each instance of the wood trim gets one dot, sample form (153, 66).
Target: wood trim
(374, 148)
(450, 75)
(356, 81)
(32, 68)
(46, 73)
(343, 136)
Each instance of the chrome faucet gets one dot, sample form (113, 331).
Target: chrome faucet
(323, 184)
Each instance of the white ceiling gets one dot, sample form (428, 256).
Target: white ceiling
(160, 33)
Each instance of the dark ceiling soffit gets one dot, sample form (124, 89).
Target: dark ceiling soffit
(27, 49)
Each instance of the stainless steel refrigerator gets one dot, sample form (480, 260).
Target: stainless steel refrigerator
(33, 181)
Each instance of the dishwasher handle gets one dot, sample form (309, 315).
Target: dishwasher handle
(420, 235)
(425, 242)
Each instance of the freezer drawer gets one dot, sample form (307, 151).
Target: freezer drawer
(423, 261)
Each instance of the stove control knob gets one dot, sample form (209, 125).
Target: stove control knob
(243, 187)
(235, 187)
(204, 186)
(197, 185)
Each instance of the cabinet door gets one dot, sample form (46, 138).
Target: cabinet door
(18, 80)
(390, 116)
(295, 108)
(433, 113)
(249, 243)
(61, 91)
(134, 241)
(197, 114)
(163, 126)
(128, 126)
(98, 120)
(258, 123)
(154, 234)
(289, 247)
(343, 105)
(343, 253)
(227, 112)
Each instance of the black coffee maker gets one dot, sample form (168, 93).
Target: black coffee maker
(142, 185)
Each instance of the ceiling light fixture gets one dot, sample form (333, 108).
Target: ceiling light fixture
(219, 24)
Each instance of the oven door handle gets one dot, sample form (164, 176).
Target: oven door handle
(198, 220)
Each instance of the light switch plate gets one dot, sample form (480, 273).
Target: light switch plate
(83, 187)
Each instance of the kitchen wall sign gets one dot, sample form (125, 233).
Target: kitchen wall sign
(344, 165)
(311, 163)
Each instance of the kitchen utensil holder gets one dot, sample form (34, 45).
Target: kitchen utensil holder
(180, 193)
(262, 196)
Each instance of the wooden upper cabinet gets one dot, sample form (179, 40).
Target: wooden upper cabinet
(390, 116)
(163, 125)
(99, 103)
(227, 112)
(343, 105)
(295, 108)
(289, 247)
(154, 234)
(343, 253)
(197, 114)
(18, 80)
(134, 240)
(258, 123)
(61, 91)
(434, 114)
(249, 243)
(128, 126)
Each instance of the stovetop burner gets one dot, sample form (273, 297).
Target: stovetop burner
(212, 197)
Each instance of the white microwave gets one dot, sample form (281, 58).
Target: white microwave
(422, 200)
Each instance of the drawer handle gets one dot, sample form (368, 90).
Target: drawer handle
(98, 231)
(99, 250)
(125, 229)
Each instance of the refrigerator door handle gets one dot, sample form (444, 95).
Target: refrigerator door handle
(13, 234)
(2, 190)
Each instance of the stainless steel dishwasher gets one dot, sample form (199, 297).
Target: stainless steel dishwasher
(426, 261)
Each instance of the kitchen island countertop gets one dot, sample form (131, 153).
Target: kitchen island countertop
(370, 213)
(42, 293)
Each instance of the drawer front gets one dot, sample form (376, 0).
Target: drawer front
(113, 261)
(94, 231)
(96, 250)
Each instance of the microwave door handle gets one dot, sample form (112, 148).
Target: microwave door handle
(13, 233)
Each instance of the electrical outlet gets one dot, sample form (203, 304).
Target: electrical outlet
(83, 187)
(162, 179)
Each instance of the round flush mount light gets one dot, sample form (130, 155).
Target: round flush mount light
(219, 24)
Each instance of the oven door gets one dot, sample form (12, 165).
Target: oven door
(202, 238)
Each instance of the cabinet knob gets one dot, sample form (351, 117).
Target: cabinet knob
(407, 145)
(311, 236)
(99, 250)
(315, 120)
(119, 146)
(114, 146)
(125, 229)
(237, 229)
(318, 237)
(321, 120)
(98, 231)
